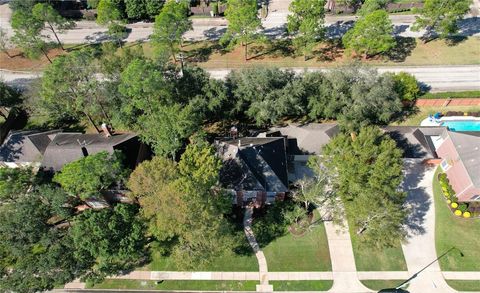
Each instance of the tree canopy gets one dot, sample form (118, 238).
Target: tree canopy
(367, 173)
(14, 182)
(371, 34)
(89, 175)
(170, 25)
(441, 16)
(306, 24)
(54, 22)
(243, 23)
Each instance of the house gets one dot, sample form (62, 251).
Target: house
(460, 153)
(254, 169)
(51, 150)
(25, 148)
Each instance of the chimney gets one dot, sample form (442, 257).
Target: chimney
(106, 130)
(239, 143)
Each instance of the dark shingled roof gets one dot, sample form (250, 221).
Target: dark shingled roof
(67, 147)
(254, 163)
(26, 146)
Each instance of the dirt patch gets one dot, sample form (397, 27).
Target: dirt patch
(19, 62)
(300, 229)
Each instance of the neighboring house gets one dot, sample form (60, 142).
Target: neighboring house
(25, 148)
(69, 147)
(460, 152)
(254, 169)
(51, 150)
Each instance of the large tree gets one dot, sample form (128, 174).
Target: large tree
(88, 176)
(70, 86)
(167, 127)
(170, 25)
(110, 13)
(370, 6)
(306, 24)
(367, 173)
(53, 21)
(135, 9)
(441, 16)
(243, 23)
(10, 97)
(36, 254)
(28, 34)
(371, 35)
(14, 183)
(184, 204)
(111, 241)
(355, 95)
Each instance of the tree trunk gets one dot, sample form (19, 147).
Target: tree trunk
(91, 121)
(56, 37)
(246, 51)
(46, 55)
(173, 53)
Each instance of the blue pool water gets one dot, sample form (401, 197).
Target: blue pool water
(465, 125)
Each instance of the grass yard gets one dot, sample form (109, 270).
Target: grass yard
(451, 95)
(321, 285)
(227, 263)
(452, 231)
(208, 54)
(377, 285)
(299, 253)
(368, 258)
(423, 112)
(464, 285)
(177, 285)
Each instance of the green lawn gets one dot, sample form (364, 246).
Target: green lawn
(178, 285)
(423, 112)
(453, 231)
(464, 285)
(377, 285)
(452, 95)
(299, 253)
(229, 263)
(368, 258)
(321, 285)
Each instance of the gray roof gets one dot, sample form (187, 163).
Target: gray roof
(253, 163)
(467, 145)
(26, 146)
(416, 142)
(310, 138)
(67, 147)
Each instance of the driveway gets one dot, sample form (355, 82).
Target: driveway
(419, 250)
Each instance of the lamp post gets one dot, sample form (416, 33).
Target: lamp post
(417, 273)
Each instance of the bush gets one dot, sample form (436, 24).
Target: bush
(463, 207)
(467, 215)
(454, 205)
(449, 201)
(406, 85)
(458, 213)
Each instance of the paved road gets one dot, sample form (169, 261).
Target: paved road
(274, 24)
(439, 78)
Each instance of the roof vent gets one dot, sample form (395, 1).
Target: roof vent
(106, 130)
(239, 143)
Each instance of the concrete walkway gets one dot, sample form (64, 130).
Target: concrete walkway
(345, 277)
(262, 262)
(420, 249)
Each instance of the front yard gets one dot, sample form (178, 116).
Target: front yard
(177, 285)
(453, 231)
(305, 253)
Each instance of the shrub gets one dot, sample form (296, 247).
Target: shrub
(406, 85)
(454, 205)
(467, 215)
(463, 207)
(449, 201)
(458, 213)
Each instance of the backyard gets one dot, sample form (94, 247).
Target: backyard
(415, 118)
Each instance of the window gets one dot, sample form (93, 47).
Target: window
(445, 165)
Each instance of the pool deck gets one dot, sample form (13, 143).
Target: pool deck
(438, 122)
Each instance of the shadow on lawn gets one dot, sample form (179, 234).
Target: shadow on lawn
(402, 50)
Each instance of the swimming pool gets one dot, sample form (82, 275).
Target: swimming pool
(462, 125)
